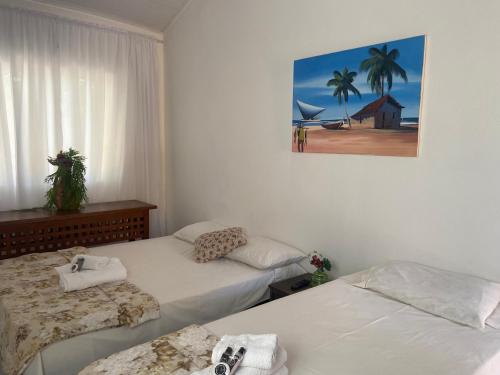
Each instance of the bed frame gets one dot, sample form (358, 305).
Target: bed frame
(39, 230)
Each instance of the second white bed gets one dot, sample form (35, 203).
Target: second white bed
(339, 329)
(188, 292)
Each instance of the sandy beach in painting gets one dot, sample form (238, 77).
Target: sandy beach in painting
(384, 142)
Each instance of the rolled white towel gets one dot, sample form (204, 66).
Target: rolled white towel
(91, 262)
(114, 271)
(242, 370)
(260, 349)
(283, 370)
(279, 362)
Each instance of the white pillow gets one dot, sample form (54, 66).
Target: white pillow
(357, 279)
(264, 253)
(457, 297)
(191, 232)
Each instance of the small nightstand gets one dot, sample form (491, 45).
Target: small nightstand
(283, 288)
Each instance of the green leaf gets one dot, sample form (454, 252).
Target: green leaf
(326, 264)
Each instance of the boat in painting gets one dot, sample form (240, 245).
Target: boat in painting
(332, 125)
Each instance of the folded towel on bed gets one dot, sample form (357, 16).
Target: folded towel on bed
(278, 364)
(254, 371)
(91, 262)
(261, 349)
(69, 281)
(243, 371)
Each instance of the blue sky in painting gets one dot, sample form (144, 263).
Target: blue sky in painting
(312, 74)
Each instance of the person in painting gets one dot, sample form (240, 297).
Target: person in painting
(300, 137)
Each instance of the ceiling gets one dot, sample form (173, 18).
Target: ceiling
(153, 14)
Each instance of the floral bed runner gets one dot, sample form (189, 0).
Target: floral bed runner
(35, 312)
(178, 353)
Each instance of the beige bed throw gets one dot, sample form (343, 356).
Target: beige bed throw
(35, 312)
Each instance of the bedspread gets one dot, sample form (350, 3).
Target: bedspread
(35, 312)
(178, 353)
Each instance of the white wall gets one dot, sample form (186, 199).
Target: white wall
(229, 76)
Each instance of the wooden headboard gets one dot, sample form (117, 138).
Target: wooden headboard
(39, 230)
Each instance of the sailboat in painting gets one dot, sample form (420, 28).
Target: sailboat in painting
(310, 113)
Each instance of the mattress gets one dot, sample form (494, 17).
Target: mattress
(188, 292)
(337, 328)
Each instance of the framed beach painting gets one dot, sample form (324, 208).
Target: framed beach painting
(364, 101)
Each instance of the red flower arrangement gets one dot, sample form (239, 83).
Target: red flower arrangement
(319, 261)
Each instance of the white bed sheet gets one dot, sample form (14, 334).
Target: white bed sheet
(339, 329)
(188, 293)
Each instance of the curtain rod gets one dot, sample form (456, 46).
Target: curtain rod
(48, 15)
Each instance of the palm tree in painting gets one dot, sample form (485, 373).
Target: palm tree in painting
(343, 85)
(381, 67)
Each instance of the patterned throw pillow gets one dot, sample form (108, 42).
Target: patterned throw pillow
(216, 244)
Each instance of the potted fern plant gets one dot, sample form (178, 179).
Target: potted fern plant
(68, 189)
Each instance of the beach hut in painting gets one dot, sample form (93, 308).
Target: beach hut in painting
(383, 113)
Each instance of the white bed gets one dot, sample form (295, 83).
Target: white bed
(340, 329)
(188, 292)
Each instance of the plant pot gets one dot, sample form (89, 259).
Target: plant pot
(71, 204)
(59, 198)
(319, 277)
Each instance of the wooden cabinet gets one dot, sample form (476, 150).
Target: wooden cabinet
(40, 230)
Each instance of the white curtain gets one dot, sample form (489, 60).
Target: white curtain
(67, 84)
